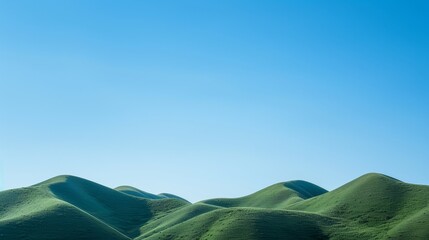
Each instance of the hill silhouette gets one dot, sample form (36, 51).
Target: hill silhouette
(278, 195)
(373, 206)
(68, 207)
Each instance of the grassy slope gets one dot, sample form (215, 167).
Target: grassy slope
(169, 195)
(30, 213)
(249, 223)
(376, 206)
(373, 206)
(179, 216)
(139, 193)
(222, 218)
(81, 203)
(279, 195)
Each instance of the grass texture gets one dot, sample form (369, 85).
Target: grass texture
(373, 206)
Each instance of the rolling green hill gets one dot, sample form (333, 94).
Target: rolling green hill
(376, 206)
(58, 207)
(373, 206)
(279, 195)
(139, 193)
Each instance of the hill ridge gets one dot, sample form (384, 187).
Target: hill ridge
(278, 195)
(372, 206)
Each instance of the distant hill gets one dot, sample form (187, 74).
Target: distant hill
(279, 195)
(373, 206)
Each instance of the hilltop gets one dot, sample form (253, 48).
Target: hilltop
(373, 206)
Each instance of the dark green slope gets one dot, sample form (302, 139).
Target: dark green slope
(376, 206)
(31, 213)
(139, 193)
(121, 211)
(279, 195)
(179, 216)
(169, 195)
(81, 202)
(249, 223)
(373, 206)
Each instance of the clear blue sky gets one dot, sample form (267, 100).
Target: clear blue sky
(213, 98)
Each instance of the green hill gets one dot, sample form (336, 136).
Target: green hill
(31, 213)
(377, 206)
(179, 216)
(279, 195)
(81, 203)
(139, 193)
(249, 223)
(373, 206)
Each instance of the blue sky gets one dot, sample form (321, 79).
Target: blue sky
(213, 98)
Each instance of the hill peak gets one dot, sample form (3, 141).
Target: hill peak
(137, 192)
(304, 189)
(373, 205)
(62, 179)
(375, 175)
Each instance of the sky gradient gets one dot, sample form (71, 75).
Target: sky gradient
(213, 98)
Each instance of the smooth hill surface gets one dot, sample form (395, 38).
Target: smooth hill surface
(68, 207)
(373, 206)
(139, 193)
(376, 206)
(278, 195)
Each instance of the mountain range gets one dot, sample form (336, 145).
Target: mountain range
(373, 206)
